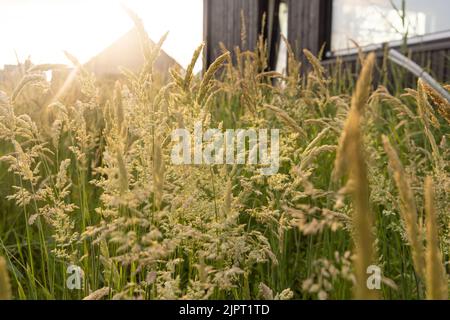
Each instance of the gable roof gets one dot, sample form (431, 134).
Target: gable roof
(126, 52)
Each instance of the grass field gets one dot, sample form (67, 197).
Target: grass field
(363, 183)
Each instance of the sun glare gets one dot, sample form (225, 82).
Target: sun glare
(43, 29)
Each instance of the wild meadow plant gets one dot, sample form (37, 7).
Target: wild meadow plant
(88, 181)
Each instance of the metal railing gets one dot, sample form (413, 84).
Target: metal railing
(415, 69)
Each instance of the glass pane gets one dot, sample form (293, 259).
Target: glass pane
(377, 21)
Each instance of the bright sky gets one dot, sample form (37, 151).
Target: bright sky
(42, 29)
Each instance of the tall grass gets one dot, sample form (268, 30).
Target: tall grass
(436, 278)
(87, 180)
(351, 158)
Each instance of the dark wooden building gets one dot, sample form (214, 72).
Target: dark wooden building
(310, 25)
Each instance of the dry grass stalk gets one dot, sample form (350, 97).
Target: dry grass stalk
(408, 208)
(228, 198)
(243, 30)
(190, 69)
(205, 84)
(293, 66)
(286, 119)
(425, 109)
(436, 279)
(427, 117)
(158, 173)
(143, 36)
(350, 159)
(443, 106)
(359, 100)
(26, 80)
(317, 66)
(5, 286)
(118, 106)
(98, 294)
(123, 175)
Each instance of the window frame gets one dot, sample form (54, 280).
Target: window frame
(413, 41)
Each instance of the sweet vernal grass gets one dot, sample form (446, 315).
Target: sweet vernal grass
(87, 181)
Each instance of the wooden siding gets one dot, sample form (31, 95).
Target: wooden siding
(222, 23)
(309, 25)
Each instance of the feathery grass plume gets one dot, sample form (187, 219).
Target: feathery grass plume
(158, 172)
(156, 49)
(427, 117)
(190, 68)
(436, 278)
(351, 158)
(265, 292)
(26, 80)
(286, 119)
(443, 106)
(227, 198)
(46, 67)
(425, 109)
(177, 78)
(129, 74)
(317, 66)
(243, 30)
(321, 52)
(293, 68)
(239, 61)
(401, 108)
(118, 106)
(123, 174)
(362, 215)
(213, 68)
(408, 208)
(230, 71)
(72, 59)
(261, 61)
(359, 100)
(108, 116)
(98, 294)
(149, 51)
(143, 36)
(360, 51)
(5, 285)
(76, 63)
(87, 79)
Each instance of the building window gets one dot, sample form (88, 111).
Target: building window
(369, 22)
